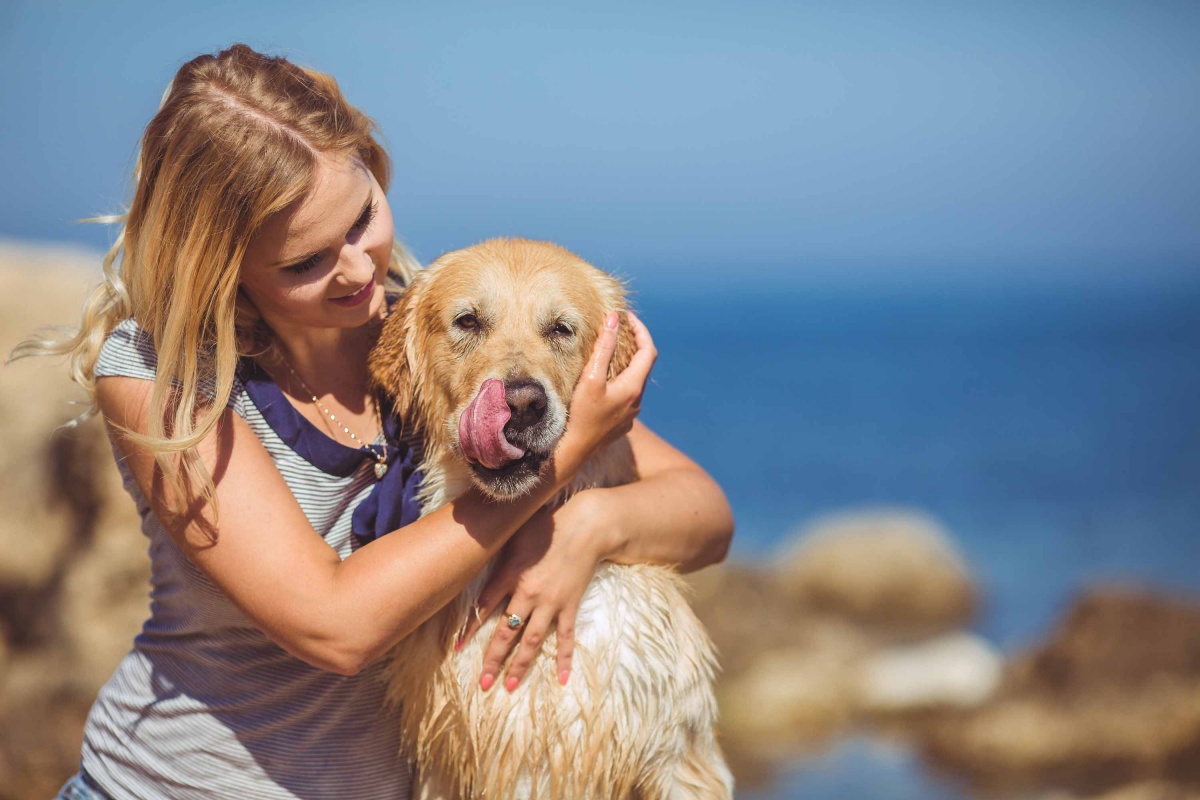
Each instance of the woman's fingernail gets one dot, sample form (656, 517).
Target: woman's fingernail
(511, 684)
(611, 320)
(564, 676)
(486, 682)
(458, 643)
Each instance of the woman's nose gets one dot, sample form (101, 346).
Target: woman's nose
(355, 265)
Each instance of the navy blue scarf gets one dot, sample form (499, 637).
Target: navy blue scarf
(392, 502)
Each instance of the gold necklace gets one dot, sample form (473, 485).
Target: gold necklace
(381, 466)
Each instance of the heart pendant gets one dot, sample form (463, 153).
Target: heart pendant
(380, 470)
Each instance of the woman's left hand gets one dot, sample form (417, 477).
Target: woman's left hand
(544, 569)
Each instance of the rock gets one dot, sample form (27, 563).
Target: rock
(1116, 637)
(890, 568)
(792, 639)
(73, 563)
(746, 613)
(1151, 790)
(788, 698)
(1113, 698)
(960, 670)
(785, 686)
(790, 701)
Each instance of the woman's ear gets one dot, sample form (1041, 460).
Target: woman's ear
(626, 347)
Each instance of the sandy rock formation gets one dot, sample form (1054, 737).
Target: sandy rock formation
(832, 633)
(784, 687)
(957, 670)
(1151, 790)
(1111, 699)
(73, 566)
(893, 568)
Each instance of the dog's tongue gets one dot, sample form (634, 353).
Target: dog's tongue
(481, 428)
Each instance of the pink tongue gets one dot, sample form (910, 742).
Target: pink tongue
(481, 428)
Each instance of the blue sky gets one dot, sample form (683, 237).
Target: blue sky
(769, 139)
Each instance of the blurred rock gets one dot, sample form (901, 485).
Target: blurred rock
(892, 568)
(1151, 790)
(73, 565)
(1111, 699)
(795, 638)
(783, 687)
(746, 613)
(1116, 637)
(958, 670)
(1144, 790)
(788, 699)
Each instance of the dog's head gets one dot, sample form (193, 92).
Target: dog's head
(482, 353)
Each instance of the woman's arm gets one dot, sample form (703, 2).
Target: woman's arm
(341, 615)
(674, 514)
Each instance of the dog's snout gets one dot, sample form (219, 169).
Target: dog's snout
(527, 401)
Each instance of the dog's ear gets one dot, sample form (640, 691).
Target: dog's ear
(389, 365)
(402, 362)
(615, 297)
(626, 347)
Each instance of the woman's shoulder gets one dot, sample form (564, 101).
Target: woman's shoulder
(128, 352)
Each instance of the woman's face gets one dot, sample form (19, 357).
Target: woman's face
(321, 262)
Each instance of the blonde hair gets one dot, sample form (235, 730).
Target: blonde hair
(236, 139)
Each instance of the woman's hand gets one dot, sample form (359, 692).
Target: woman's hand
(546, 566)
(603, 411)
(544, 569)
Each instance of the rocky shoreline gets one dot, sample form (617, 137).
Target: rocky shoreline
(73, 566)
(860, 626)
(858, 629)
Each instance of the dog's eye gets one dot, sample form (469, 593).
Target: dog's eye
(561, 329)
(466, 322)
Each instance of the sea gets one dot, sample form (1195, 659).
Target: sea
(1052, 426)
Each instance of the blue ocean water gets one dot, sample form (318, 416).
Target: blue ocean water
(1053, 427)
(859, 768)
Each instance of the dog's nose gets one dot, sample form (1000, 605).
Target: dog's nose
(527, 402)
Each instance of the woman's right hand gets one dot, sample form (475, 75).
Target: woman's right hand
(603, 411)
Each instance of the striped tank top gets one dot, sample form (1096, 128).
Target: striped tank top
(205, 706)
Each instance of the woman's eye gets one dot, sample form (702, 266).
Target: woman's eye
(368, 216)
(305, 265)
(466, 322)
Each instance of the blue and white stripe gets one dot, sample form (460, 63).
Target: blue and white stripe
(205, 706)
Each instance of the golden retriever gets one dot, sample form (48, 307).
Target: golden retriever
(512, 322)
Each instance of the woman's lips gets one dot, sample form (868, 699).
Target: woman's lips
(356, 298)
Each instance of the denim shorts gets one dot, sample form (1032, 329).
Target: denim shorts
(81, 787)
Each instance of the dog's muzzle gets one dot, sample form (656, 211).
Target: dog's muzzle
(527, 403)
(481, 428)
(508, 431)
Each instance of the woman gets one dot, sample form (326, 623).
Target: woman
(226, 351)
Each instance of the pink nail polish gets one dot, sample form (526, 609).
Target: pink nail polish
(511, 684)
(611, 320)
(564, 676)
(486, 682)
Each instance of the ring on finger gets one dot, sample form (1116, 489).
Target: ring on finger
(514, 621)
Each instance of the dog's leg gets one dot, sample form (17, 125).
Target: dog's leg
(701, 774)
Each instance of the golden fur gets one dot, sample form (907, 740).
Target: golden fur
(636, 719)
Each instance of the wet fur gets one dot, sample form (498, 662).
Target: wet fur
(637, 718)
